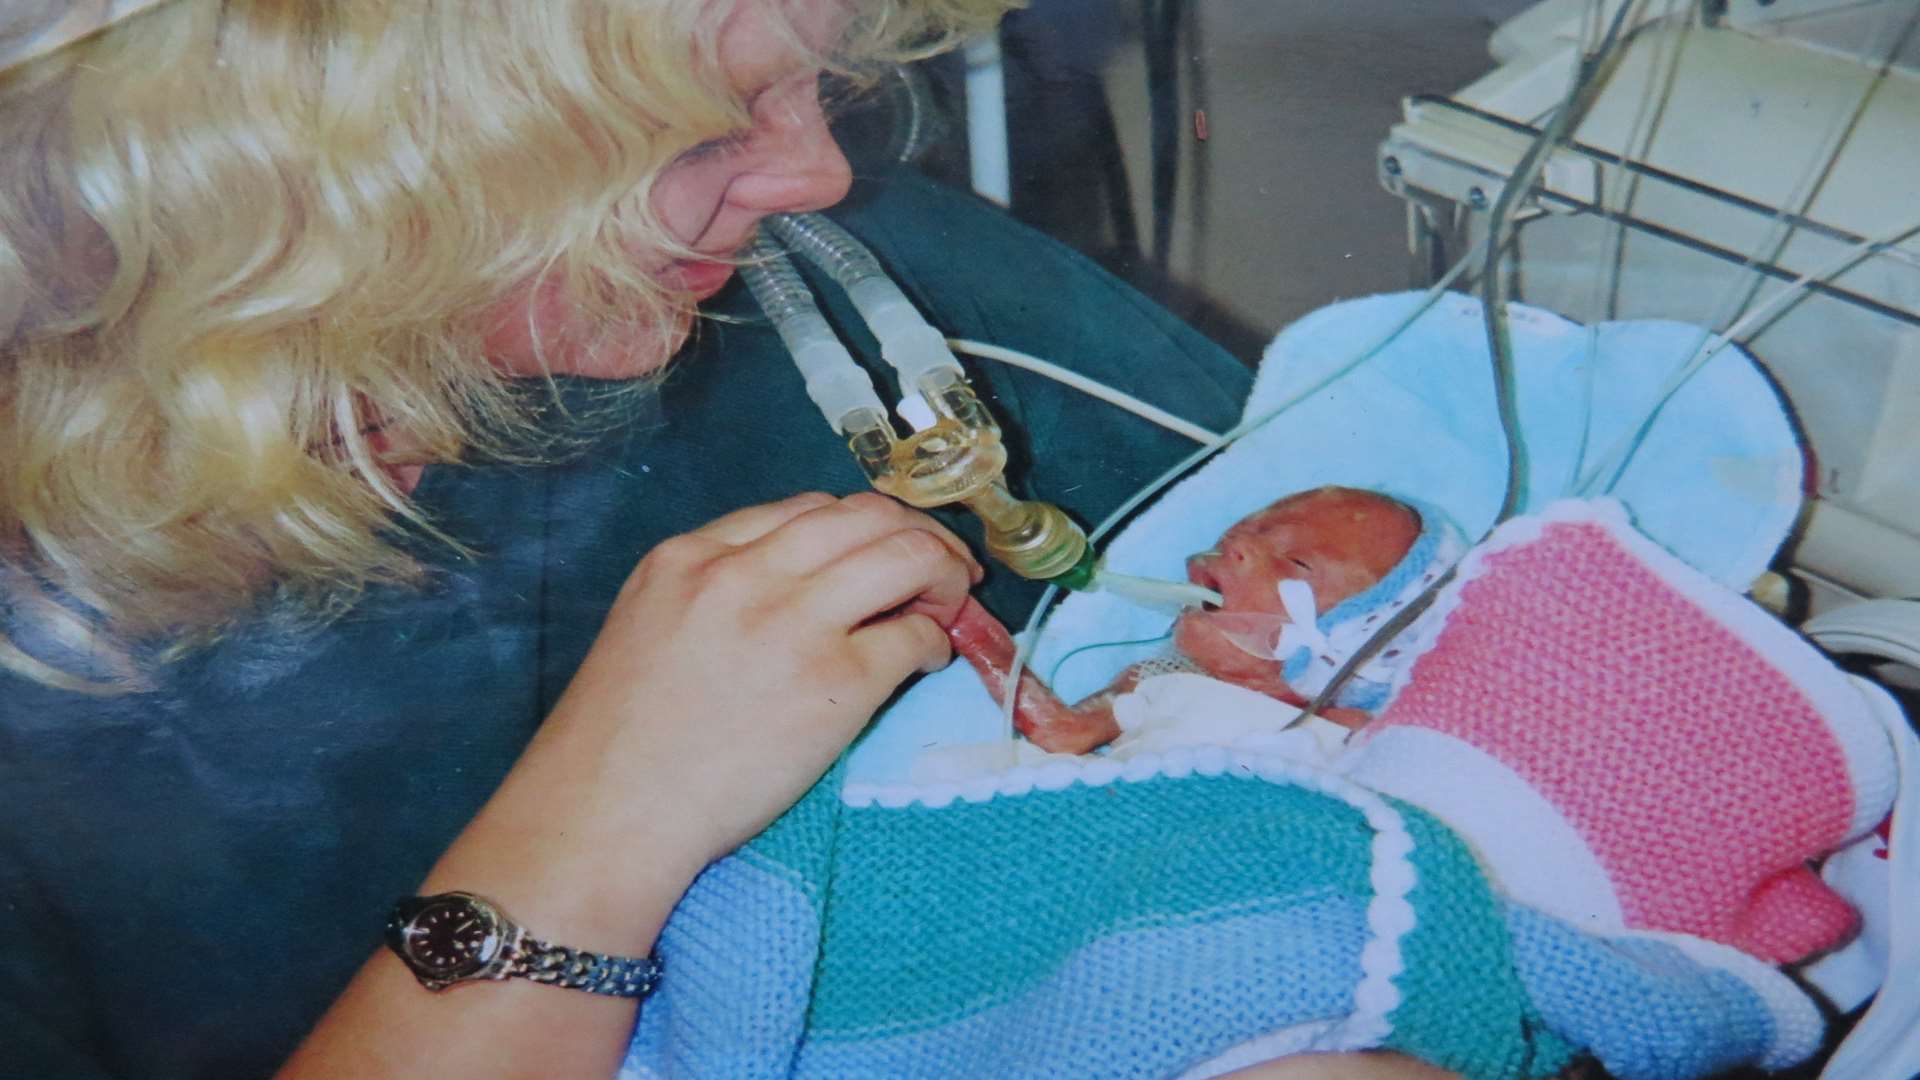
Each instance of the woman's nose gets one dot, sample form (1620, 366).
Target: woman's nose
(801, 167)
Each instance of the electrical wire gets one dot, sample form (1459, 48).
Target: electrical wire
(1820, 171)
(1663, 71)
(1611, 469)
(1581, 92)
(1053, 677)
(1121, 399)
(1779, 232)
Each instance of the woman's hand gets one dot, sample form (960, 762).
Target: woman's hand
(741, 658)
(736, 663)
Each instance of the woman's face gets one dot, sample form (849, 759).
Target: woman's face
(711, 200)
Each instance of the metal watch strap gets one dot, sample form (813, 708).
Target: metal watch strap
(576, 969)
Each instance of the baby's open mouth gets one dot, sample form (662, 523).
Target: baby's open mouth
(1201, 570)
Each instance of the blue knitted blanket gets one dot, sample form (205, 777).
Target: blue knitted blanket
(1183, 914)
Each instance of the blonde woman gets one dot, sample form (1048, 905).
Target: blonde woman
(295, 298)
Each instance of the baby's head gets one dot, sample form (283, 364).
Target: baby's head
(1338, 541)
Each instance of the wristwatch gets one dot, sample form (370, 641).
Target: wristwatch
(457, 937)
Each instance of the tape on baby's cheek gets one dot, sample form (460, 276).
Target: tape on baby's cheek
(1255, 633)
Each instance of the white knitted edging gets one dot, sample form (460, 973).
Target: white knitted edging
(1092, 770)
(1798, 1028)
(1390, 916)
(1528, 849)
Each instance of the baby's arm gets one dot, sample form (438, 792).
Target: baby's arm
(1038, 714)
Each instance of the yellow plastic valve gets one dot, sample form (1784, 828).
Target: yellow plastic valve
(961, 458)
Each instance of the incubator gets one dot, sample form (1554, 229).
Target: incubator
(1732, 149)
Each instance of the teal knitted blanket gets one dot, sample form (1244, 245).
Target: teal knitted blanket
(1185, 914)
(1098, 923)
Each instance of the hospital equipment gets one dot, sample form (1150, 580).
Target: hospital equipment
(956, 453)
(1733, 147)
(1758, 133)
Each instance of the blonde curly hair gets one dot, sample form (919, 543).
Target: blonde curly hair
(227, 227)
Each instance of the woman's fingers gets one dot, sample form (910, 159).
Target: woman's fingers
(746, 525)
(809, 542)
(907, 568)
(896, 647)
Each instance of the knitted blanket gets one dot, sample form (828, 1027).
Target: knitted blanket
(1185, 914)
(1094, 924)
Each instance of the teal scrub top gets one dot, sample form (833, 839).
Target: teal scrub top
(188, 877)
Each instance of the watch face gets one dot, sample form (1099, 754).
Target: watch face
(452, 938)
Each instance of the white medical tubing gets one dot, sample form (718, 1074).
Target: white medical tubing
(907, 340)
(1610, 468)
(836, 384)
(1117, 398)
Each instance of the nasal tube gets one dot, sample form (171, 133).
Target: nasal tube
(960, 457)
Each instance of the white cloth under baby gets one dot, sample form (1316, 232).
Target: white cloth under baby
(1161, 713)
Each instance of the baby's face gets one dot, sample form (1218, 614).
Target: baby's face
(1338, 540)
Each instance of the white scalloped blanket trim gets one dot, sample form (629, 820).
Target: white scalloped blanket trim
(1390, 916)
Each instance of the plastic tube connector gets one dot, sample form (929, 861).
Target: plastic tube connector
(837, 385)
(959, 457)
(907, 341)
(1033, 539)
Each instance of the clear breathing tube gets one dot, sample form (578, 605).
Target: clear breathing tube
(907, 341)
(836, 384)
(956, 455)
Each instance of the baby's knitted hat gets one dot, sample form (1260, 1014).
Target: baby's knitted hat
(1311, 647)
(1631, 746)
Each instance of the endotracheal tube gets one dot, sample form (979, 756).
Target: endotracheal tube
(957, 454)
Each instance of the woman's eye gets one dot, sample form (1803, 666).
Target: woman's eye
(719, 147)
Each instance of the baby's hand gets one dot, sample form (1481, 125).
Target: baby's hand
(741, 658)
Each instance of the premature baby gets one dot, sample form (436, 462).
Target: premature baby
(1553, 740)
(1277, 571)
